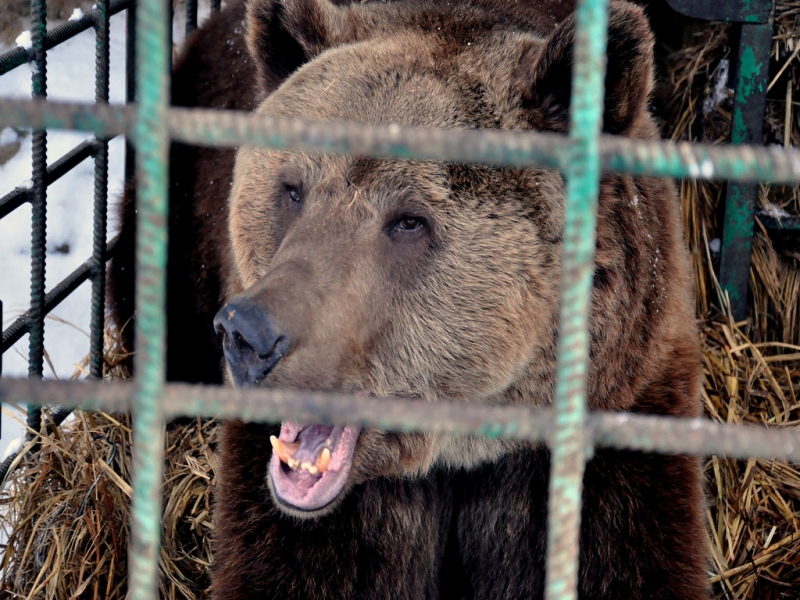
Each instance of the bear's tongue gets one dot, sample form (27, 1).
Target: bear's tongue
(311, 463)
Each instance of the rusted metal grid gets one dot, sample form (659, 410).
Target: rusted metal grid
(569, 430)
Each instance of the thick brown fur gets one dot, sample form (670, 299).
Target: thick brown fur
(463, 308)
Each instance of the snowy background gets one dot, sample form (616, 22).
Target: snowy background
(70, 77)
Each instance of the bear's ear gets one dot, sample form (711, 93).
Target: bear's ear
(282, 35)
(545, 89)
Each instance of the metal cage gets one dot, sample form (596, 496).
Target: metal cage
(151, 124)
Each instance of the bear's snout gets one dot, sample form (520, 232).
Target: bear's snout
(250, 341)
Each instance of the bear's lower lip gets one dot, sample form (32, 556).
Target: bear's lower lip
(299, 489)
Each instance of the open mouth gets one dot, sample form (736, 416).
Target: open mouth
(311, 463)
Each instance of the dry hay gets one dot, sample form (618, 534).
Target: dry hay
(754, 505)
(67, 507)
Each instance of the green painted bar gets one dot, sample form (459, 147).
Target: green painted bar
(618, 430)
(232, 128)
(749, 104)
(152, 144)
(568, 449)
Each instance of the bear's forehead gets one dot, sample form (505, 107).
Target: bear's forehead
(410, 79)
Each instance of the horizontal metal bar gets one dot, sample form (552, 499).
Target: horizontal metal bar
(233, 128)
(104, 120)
(54, 297)
(621, 430)
(13, 200)
(20, 195)
(20, 56)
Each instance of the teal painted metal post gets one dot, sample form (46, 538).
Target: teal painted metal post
(755, 45)
(152, 143)
(568, 450)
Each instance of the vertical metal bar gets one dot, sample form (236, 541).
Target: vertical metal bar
(569, 438)
(191, 16)
(97, 324)
(749, 103)
(153, 58)
(215, 5)
(38, 208)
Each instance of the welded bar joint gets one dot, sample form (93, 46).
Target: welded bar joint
(22, 194)
(54, 297)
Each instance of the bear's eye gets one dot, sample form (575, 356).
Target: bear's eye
(407, 228)
(406, 223)
(292, 193)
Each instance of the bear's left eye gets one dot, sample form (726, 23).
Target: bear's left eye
(292, 193)
(407, 228)
(407, 223)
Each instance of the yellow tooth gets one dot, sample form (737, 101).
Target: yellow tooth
(313, 470)
(305, 466)
(293, 463)
(284, 450)
(277, 447)
(324, 460)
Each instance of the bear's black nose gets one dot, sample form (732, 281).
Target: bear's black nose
(251, 344)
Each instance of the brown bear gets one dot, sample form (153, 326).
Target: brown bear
(431, 280)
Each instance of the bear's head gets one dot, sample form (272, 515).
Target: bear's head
(406, 278)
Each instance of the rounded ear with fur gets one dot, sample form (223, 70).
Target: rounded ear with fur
(545, 89)
(282, 35)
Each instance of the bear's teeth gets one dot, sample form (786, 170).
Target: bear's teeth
(307, 466)
(324, 460)
(284, 450)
